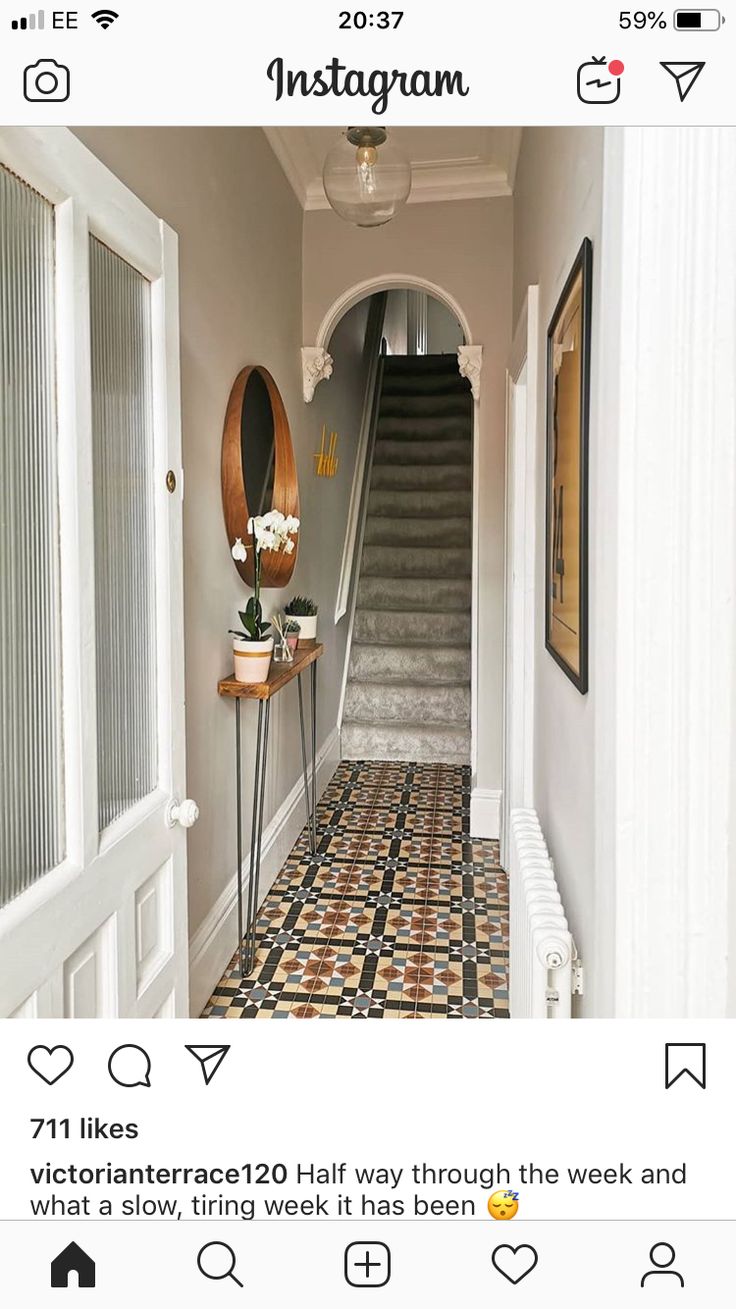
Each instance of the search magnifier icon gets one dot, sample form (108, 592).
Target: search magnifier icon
(216, 1260)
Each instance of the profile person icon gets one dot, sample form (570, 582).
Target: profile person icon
(662, 1256)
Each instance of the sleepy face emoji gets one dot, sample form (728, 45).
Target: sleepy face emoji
(503, 1204)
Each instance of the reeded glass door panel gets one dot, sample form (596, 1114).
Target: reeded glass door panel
(122, 435)
(31, 762)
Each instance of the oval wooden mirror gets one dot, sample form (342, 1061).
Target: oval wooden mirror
(258, 469)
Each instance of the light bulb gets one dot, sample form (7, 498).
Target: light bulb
(367, 179)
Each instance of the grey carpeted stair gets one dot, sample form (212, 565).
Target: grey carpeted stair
(408, 692)
(415, 595)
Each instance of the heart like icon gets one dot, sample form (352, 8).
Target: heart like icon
(50, 1063)
(514, 1262)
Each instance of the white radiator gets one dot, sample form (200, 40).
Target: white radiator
(542, 951)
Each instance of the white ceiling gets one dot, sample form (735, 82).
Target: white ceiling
(448, 163)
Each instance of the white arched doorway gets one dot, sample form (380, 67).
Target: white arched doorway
(318, 366)
(393, 282)
(317, 363)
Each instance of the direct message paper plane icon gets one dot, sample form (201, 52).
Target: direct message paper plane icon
(209, 1058)
(685, 75)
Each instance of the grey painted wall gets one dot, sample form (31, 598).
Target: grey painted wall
(557, 202)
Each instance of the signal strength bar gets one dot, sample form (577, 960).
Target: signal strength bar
(33, 23)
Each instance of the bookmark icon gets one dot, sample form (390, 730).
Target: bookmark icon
(684, 1059)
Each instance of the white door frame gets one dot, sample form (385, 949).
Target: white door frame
(105, 911)
(522, 380)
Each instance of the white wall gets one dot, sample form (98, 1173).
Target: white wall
(465, 248)
(444, 333)
(558, 202)
(240, 234)
(394, 323)
(340, 407)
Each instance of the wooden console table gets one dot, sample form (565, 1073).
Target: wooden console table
(279, 677)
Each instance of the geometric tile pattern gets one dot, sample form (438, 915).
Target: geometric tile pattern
(399, 914)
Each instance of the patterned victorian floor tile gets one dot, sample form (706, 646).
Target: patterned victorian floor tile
(398, 915)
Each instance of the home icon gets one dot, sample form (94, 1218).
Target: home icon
(73, 1260)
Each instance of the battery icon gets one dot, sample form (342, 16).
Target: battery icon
(698, 20)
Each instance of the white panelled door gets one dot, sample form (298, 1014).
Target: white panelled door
(92, 762)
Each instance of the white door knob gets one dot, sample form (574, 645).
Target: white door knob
(185, 813)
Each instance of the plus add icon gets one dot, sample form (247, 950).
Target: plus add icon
(367, 1263)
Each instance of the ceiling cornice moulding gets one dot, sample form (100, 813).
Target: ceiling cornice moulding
(435, 182)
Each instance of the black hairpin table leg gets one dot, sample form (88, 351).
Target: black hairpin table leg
(239, 811)
(248, 938)
(305, 772)
(314, 756)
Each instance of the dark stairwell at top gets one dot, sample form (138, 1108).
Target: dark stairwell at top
(408, 690)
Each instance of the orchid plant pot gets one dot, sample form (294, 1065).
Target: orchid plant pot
(252, 659)
(253, 646)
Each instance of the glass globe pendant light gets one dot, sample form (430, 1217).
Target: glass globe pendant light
(367, 179)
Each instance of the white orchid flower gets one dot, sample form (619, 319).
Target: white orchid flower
(273, 530)
(239, 551)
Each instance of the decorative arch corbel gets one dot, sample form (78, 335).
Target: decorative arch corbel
(470, 363)
(316, 366)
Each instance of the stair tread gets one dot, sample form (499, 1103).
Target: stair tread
(436, 743)
(383, 534)
(385, 701)
(401, 724)
(401, 684)
(447, 519)
(415, 594)
(431, 502)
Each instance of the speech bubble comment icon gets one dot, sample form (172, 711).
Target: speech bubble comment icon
(130, 1066)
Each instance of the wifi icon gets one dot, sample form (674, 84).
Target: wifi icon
(105, 17)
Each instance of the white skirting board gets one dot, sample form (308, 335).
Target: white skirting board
(485, 814)
(215, 941)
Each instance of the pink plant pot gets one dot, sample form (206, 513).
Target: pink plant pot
(252, 660)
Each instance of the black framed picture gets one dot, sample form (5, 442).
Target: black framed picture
(568, 413)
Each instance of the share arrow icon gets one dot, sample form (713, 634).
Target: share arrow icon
(685, 75)
(209, 1058)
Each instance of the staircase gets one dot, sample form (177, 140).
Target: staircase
(408, 690)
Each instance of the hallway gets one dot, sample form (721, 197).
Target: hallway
(399, 916)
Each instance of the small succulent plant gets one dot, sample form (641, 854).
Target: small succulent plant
(300, 606)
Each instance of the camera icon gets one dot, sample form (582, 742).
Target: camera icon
(46, 80)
